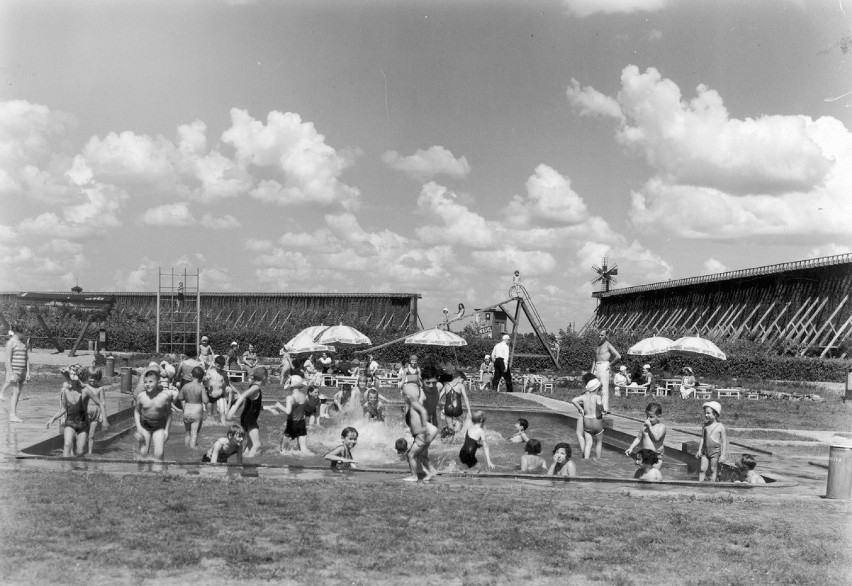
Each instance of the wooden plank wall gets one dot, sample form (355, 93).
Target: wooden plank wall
(807, 311)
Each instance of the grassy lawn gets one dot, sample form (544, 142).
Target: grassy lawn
(72, 528)
(831, 415)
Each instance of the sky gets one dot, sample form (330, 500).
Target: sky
(420, 146)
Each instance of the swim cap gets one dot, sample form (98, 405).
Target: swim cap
(593, 385)
(715, 406)
(296, 381)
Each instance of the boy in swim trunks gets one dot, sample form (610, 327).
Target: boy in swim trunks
(652, 434)
(591, 410)
(225, 447)
(647, 460)
(219, 390)
(193, 400)
(714, 441)
(423, 432)
(562, 464)
(341, 456)
(153, 415)
(96, 411)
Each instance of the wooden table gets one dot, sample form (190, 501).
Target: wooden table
(728, 393)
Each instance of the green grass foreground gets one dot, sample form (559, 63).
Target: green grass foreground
(73, 528)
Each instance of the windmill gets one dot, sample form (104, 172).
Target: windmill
(606, 275)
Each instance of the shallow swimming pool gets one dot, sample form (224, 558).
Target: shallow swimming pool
(375, 445)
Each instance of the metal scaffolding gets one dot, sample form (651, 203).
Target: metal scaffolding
(178, 311)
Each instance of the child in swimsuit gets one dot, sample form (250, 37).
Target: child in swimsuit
(314, 406)
(455, 403)
(521, 432)
(652, 434)
(219, 390)
(562, 464)
(647, 460)
(531, 461)
(294, 407)
(401, 447)
(96, 411)
(341, 456)
(746, 465)
(374, 410)
(225, 447)
(423, 434)
(591, 409)
(252, 398)
(153, 415)
(194, 401)
(474, 439)
(714, 441)
(75, 394)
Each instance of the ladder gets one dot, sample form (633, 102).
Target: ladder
(178, 311)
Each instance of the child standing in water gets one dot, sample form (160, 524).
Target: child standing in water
(96, 411)
(341, 456)
(193, 400)
(531, 461)
(313, 407)
(455, 402)
(562, 464)
(474, 439)
(73, 398)
(590, 407)
(714, 441)
(253, 400)
(153, 414)
(294, 407)
(219, 390)
(225, 447)
(652, 434)
(647, 460)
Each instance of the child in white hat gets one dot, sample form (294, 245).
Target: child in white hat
(714, 441)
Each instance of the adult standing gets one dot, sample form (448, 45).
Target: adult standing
(605, 356)
(500, 357)
(286, 364)
(17, 370)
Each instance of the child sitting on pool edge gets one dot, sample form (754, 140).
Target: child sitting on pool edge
(647, 460)
(531, 461)
(341, 456)
(225, 447)
(562, 464)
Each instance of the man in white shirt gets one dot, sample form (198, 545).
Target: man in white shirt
(500, 357)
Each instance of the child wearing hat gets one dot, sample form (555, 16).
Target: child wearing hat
(590, 406)
(714, 441)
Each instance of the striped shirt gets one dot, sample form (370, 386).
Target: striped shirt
(18, 351)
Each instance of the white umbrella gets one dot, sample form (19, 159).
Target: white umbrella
(649, 346)
(341, 335)
(697, 345)
(436, 337)
(313, 331)
(302, 343)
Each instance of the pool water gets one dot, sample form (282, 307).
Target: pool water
(375, 447)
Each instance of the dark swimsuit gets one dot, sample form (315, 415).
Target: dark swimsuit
(296, 427)
(76, 417)
(251, 411)
(453, 405)
(152, 425)
(347, 453)
(224, 454)
(467, 454)
(312, 406)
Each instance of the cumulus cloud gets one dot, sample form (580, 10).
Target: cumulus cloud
(507, 259)
(588, 101)
(458, 225)
(436, 160)
(226, 222)
(721, 177)
(584, 8)
(171, 215)
(308, 170)
(549, 200)
(713, 266)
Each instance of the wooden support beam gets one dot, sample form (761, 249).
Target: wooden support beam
(698, 320)
(706, 327)
(774, 323)
(79, 339)
(836, 337)
(801, 327)
(722, 329)
(792, 321)
(49, 333)
(642, 324)
(822, 329)
(763, 317)
(661, 318)
(739, 330)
